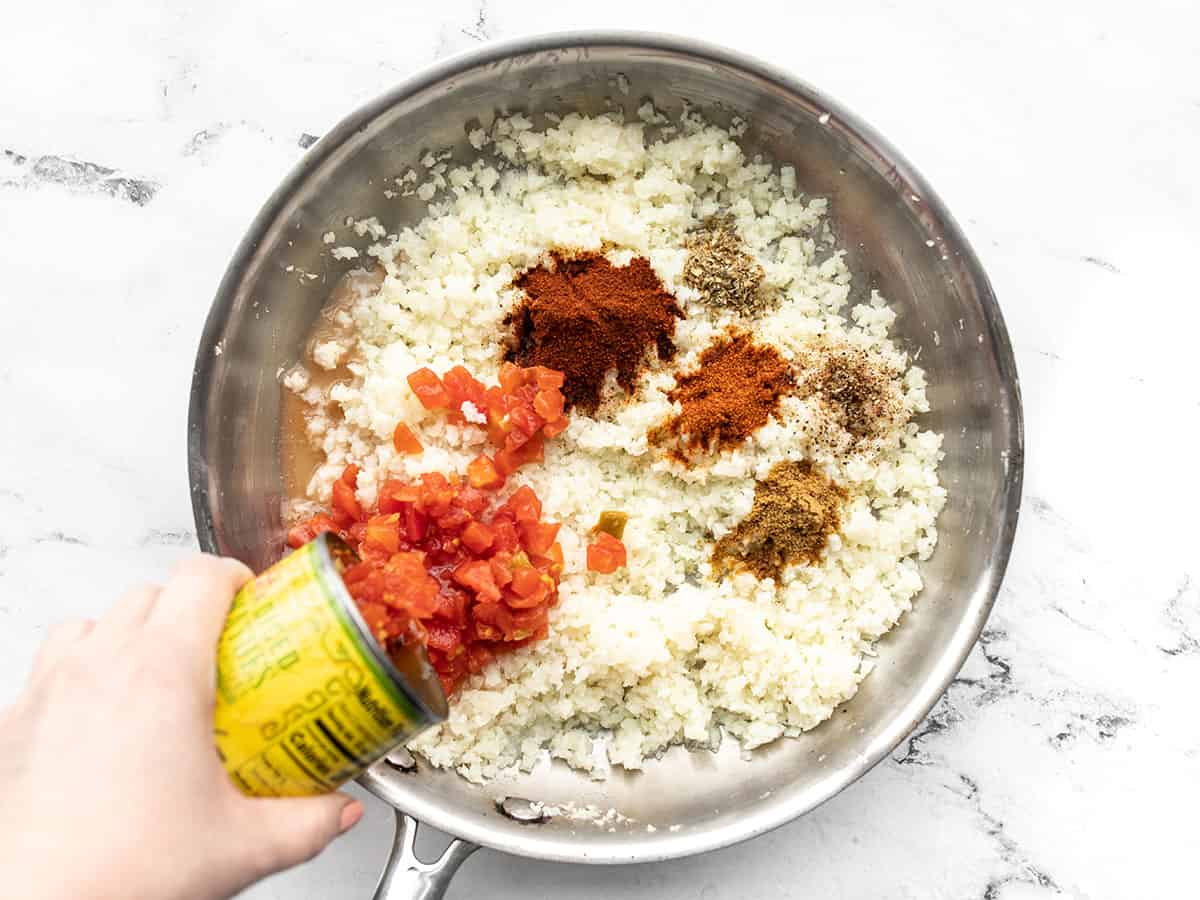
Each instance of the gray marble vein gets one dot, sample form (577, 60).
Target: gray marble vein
(1183, 612)
(78, 175)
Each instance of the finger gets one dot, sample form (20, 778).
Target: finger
(293, 830)
(129, 613)
(60, 639)
(196, 599)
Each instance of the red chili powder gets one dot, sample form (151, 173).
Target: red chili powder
(585, 317)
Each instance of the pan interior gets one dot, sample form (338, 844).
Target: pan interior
(883, 214)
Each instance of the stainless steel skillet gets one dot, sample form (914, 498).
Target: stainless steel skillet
(900, 240)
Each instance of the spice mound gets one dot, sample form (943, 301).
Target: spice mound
(585, 317)
(860, 392)
(719, 267)
(796, 509)
(733, 392)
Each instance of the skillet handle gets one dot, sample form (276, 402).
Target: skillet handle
(405, 877)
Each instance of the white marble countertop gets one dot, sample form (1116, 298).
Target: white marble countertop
(137, 140)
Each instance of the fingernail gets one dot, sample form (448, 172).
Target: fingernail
(351, 813)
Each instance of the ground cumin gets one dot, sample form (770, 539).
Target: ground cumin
(586, 317)
(796, 509)
(734, 391)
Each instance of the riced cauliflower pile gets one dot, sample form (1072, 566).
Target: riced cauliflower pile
(664, 650)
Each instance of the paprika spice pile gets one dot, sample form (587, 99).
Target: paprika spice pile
(585, 317)
(733, 392)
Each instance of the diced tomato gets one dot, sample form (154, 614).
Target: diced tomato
(357, 574)
(549, 565)
(393, 495)
(410, 593)
(497, 430)
(301, 534)
(472, 499)
(510, 377)
(526, 580)
(502, 570)
(606, 554)
(493, 621)
(507, 538)
(377, 618)
(384, 532)
(555, 428)
(416, 523)
(405, 441)
(400, 582)
(410, 562)
(452, 606)
(526, 422)
(493, 401)
(524, 505)
(537, 537)
(479, 656)
(305, 532)
(345, 501)
(547, 379)
(529, 588)
(508, 461)
(482, 473)
(534, 450)
(477, 575)
(498, 622)
(443, 637)
(429, 389)
(436, 567)
(528, 621)
(510, 401)
(453, 519)
(461, 385)
(548, 405)
(356, 532)
(436, 493)
(477, 537)
(321, 522)
(537, 598)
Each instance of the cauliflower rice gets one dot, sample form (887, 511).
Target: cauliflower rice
(660, 652)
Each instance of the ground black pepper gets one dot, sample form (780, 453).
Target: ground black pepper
(858, 390)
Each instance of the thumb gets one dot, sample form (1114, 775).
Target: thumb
(295, 829)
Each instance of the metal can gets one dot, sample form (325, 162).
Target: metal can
(306, 697)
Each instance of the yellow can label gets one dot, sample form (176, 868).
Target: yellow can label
(303, 701)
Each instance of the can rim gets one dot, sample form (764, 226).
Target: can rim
(350, 608)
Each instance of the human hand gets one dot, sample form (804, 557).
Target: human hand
(110, 786)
